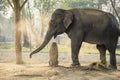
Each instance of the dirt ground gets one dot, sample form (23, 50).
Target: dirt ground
(38, 68)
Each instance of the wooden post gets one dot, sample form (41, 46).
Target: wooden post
(53, 55)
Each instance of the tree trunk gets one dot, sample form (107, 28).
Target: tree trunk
(18, 33)
(53, 61)
(30, 19)
(26, 42)
(15, 5)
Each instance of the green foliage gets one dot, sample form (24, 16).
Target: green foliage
(84, 3)
(61, 49)
(3, 6)
(118, 9)
(102, 1)
(81, 3)
(7, 46)
(44, 6)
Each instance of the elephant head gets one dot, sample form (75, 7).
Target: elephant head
(60, 21)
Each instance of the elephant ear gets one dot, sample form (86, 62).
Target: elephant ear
(68, 19)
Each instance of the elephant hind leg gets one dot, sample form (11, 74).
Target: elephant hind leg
(102, 51)
(112, 50)
(102, 64)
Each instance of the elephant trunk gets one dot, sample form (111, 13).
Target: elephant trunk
(45, 42)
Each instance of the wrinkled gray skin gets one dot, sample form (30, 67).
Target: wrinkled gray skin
(85, 25)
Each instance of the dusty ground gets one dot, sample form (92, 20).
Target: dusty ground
(37, 68)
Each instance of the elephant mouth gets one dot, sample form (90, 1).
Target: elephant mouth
(56, 34)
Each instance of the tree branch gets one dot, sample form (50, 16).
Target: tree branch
(10, 4)
(23, 4)
(113, 6)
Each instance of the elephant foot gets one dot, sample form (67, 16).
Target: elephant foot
(75, 65)
(98, 66)
(111, 67)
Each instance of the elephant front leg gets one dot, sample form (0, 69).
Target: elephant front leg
(75, 46)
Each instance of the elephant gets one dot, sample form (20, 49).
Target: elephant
(85, 25)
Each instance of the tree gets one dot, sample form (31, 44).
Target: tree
(80, 4)
(26, 42)
(114, 8)
(45, 7)
(32, 35)
(3, 6)
(100, 3)
(17, 7)
(97, 4)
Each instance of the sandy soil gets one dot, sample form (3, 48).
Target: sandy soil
(38, 68)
